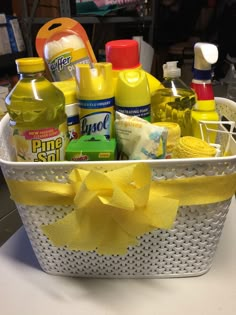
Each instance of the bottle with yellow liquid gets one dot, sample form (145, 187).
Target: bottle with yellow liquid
(175, 101)
(37, 114)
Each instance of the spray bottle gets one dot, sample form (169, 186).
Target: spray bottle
(96, 99)
(205, 55)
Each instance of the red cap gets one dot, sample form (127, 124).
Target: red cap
(123, 54)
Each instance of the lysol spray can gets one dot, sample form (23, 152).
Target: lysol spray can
(96, 99)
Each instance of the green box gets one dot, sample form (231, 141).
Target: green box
(91, 148)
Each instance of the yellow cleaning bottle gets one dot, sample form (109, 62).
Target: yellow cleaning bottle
(132, 94)
(37, 114)
(96, 99)
(124, 55)
(68, 88)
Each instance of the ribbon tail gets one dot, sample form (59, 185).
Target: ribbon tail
(63, 231)
(162, 214)
(40, 193)
(134, 223)
(198, 190)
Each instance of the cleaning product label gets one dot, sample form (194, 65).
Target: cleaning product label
(204, 90)
(63, 42)
(42, 145)
(91, 148)
(73, 127)
(62, 66)
(97, 117)
(140, 111)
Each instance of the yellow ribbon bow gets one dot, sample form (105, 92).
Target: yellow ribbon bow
(112, 209)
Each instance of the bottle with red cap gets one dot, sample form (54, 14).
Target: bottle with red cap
(123, 54)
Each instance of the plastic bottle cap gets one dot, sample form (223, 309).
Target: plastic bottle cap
(171, 70)
(30, 65)
(123, 54)
(132, 88)
(205, 55)
(94, 83)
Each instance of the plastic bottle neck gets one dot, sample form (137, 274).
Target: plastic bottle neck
(31, 75)
(177, 82)
(170, 78)
(201, 75)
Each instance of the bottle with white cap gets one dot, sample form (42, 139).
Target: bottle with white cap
(205, 55)
(175, 101)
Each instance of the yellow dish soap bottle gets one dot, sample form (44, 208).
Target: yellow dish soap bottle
(175, 101)
(37, 114)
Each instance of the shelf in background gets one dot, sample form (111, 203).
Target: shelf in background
(8, 60)
(96, 19)
(28, 18)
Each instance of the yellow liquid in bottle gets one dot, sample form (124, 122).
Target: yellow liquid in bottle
(35, 104)
(169, 107)
(37, 116)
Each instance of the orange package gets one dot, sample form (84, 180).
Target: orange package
(63, 43)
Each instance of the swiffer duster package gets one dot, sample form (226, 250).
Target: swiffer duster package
(63, 43)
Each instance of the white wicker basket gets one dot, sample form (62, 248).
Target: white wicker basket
(187, 249)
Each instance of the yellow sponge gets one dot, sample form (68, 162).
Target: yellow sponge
(191, 147)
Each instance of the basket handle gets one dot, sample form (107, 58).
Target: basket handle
(3, 125)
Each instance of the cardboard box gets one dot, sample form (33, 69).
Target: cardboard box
(91, 148)
(5, 46)
(45, 8)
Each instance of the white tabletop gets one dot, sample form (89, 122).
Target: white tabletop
(26, 290)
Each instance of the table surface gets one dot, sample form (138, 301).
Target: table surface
(27, 290)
